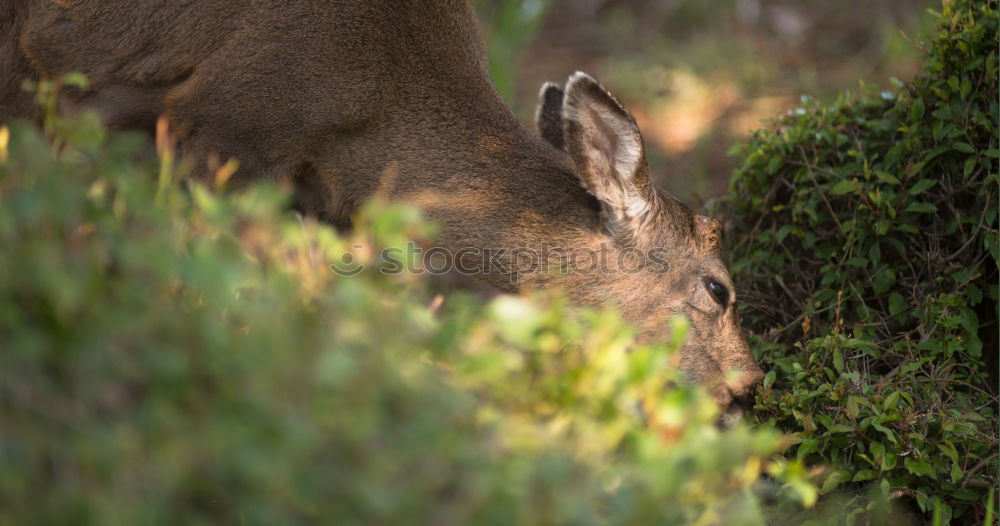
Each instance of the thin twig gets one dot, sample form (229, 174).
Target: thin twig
(975, 469)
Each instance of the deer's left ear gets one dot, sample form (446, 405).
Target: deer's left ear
(604, 143)
(548, 115)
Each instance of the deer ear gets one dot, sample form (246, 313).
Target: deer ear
(548, 115)
(604, 143)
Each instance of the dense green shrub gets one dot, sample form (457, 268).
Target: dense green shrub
(865, 246)
(173, 356)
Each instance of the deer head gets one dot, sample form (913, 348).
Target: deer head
(663, 260)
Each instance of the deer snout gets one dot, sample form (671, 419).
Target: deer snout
(736, 396)
(742, 383)
(738, 388)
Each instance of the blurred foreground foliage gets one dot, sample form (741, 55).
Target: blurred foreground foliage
(172, 355)
(866, 244)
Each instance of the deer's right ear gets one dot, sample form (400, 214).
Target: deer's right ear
(604, 143)
(548, 115)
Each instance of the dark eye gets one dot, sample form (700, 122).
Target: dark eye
(720, 293)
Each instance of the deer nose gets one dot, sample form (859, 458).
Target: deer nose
(743, 402)
(742, 386)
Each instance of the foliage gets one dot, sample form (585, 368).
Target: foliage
(177, 356)
(866, 242)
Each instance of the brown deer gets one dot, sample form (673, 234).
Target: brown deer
(332, 95)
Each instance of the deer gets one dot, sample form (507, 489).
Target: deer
(329, 96)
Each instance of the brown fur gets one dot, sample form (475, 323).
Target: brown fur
(346, 98)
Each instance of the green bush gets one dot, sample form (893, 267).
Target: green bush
(169, 355)
(865, 244)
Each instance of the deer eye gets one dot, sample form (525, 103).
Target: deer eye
(719, 292)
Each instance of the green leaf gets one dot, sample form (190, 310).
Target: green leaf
(964, 147)
(769, 379)
(974, 294)
(809, 445)
(922, 185)
(883, 280)
(864, 474)
(917, 110)
(887, 432)
(857, 262)
(921, 208)
(919, 468)
(838, 360)
(966, 88)
(774, 163)
(835, 479)
(891, 401)
(878, 452)
(843, 186)
(897, 303)
(966, 494)
(934, 153)
(956, 473)
(852, 408)
(970, 164)
(953, 83)
(783, 232)
(85, 132)
(77, 80)
(886, 177)
(875, 253)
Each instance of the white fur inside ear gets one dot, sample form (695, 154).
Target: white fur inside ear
(638, 205)
(603, 117)
(611, 143)
(626, 154)
(628, 148)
